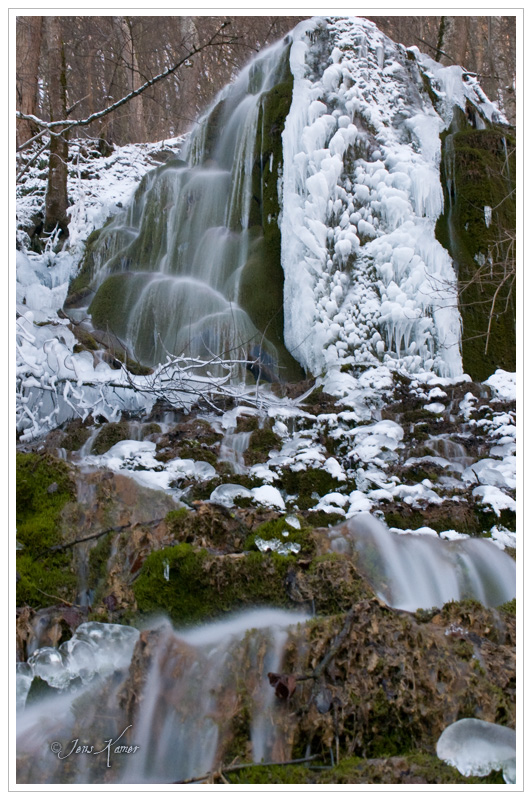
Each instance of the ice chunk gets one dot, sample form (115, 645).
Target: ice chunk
(276, 546)
(24, 677)
(226, 494)
(476, 747)
(111, 645)
(47, 664)
(293, 522)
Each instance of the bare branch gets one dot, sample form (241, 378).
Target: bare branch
(66, 124)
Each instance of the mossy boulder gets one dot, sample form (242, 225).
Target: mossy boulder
(45, 485)
(109, 435)
(478, 229)
(201, 586)
(309, 485)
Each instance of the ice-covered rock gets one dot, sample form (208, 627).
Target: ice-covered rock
(227, 493)
(476, 747)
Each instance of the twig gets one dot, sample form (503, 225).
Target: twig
(55, 597)
(56, 548)
(236, 767)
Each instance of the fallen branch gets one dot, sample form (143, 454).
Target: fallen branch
(236, 767)
(56, 548)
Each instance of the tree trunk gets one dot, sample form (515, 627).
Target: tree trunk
(56, 202)
(29, 34)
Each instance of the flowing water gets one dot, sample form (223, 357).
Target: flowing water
(175, 263)
(185, 694)
(232, 449)
(411, 571)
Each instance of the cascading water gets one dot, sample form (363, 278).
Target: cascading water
(232, 449)
(411, 571)
(181, 692)
(174, 269)
(303, 214)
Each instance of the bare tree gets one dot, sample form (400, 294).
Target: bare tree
(59, 125)
(29, 35)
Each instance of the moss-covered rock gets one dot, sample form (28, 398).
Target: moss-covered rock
(109, 435)
(201, 586)
(44, 487)
(279, 529)
(261, 442)
(478, 229)
(309, 485)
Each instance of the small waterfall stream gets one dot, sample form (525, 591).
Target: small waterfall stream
(232, 449)
(411, 571)
(185, 690)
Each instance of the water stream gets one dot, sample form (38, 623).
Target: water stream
(410, 571)
(175, 262)
(183, 693)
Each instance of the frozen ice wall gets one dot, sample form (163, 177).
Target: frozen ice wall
(365, 277)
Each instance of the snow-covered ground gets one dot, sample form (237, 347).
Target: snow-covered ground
(383, 212)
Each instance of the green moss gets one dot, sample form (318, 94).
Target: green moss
(98, 558)
(276, 774)
(479, 168)
(198, 452)
(509, 607)
(247, 424)
(417, 414)
(109, 435)
(80, 286)
(150, 429)
(413, 767)
(75, 435)
(335, 584)
(202, 586)
(275, 528)
(321, 519)
(44, 487)
(175, 519)
(86, 340)
(108, 305)
(261, 441)
(262, 279)
(308, 485)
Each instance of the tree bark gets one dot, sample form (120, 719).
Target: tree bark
(29, 35)
(56, 202)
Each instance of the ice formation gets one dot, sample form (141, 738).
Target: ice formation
(476, 747)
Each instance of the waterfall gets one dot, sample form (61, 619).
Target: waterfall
(411, 571)
(173, 270)
(186, 695)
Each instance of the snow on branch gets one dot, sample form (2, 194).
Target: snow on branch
(66, 124)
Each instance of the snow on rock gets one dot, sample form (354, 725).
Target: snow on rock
(361, 184)
(494, 497)
(435, 408)
(503, 384)
(268, 496)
